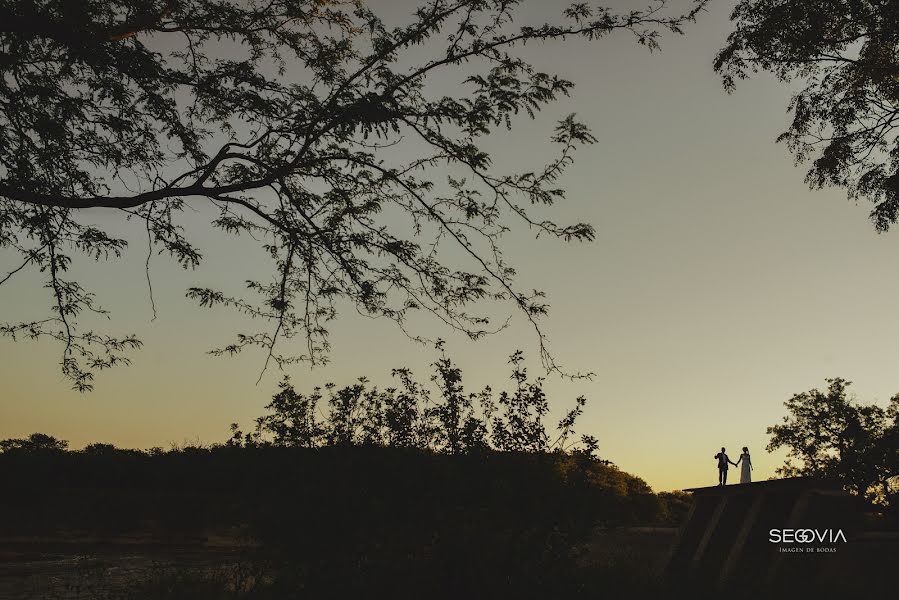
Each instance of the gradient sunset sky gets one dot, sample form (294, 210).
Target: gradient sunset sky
(717, 287)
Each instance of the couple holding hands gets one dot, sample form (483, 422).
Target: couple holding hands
(723, 461)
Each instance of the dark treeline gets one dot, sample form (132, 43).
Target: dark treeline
(412, 415)
(355, 490)
(343, 521)
(346, 521)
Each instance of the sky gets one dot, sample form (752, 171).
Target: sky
(718, 285)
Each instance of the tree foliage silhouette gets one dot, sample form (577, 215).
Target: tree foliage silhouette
(845, 118)
(833, 436)
(454, 422)
(36, 442)
(289, 119)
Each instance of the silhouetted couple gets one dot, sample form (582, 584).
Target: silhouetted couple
(724, 461)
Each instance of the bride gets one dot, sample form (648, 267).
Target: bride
(746, 470)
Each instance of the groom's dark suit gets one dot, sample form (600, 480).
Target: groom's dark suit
(723, 461)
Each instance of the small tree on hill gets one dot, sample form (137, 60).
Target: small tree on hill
(833, 436)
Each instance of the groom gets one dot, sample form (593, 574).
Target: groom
(723, 460)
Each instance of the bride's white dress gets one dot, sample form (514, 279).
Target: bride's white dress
(745, 469)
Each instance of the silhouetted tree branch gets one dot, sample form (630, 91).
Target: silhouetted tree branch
(846, 117)
(291, 119)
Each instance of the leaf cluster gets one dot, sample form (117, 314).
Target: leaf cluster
(845, 57)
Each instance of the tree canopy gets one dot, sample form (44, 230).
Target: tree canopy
(36, 442)
(834, 436)
(287, 118)
(845, 55)
(407, 416)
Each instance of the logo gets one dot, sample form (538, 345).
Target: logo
(806, 536)
(807, 541)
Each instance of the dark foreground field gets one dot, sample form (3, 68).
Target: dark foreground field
(73, 567)
(329, 522)
(339, 522)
